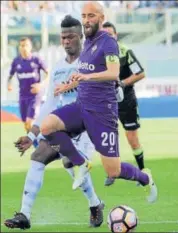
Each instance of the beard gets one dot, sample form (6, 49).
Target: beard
(91, 31)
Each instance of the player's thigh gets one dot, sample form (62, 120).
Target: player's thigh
(51, 124)
(105, 139)
(129, 116)
(67, 118)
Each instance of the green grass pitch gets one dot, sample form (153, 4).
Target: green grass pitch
(59, 209)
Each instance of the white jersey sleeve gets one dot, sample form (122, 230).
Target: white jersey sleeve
(48, 105)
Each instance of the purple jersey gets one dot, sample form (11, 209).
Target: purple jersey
(93, 95)
(28, 73)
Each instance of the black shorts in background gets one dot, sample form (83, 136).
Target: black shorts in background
(128, 112)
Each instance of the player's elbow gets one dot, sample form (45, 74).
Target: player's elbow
(114, 75)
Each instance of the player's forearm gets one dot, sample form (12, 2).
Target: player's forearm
(133, 79)
(104, 76)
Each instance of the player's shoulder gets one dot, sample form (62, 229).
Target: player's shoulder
(107, 37)
(36, 57)
(58, 66)
(16, 59)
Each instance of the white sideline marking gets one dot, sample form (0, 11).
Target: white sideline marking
(84, 223)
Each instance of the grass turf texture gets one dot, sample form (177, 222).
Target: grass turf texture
(59, 209)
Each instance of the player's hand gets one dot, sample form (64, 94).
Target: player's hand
(23, 144)
(79, 77)
(35, 88)
(61, 88)
(9, 87)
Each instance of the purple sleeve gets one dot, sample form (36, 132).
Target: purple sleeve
(42, 65)
(12, 69)
(111, 47)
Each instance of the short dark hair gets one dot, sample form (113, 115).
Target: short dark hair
(110, 25)
(69, 21)
(25, 39)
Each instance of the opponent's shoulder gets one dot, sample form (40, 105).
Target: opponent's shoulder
(57, 67)
(123, 48)
(16, 59)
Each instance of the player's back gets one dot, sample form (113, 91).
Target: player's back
(92, 94)
(28, 73)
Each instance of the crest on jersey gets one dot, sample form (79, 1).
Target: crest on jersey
(94, 48)
(19, 67)
(33, 65)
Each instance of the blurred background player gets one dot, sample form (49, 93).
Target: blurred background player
(131, 72)
(28, 67)
(71, 38)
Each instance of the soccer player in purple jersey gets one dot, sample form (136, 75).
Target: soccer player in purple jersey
(27, 67)
(96, 108)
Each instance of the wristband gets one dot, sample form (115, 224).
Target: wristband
(121, 84)
(31, 136)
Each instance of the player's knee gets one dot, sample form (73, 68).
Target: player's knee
(113, 173)
(47, 127)
(36, 156)
(44, 153)
(66, 162)
(45, 157)
(51, 124)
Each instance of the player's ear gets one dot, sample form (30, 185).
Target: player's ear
(102, 19)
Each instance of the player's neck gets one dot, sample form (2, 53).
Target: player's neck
(26, 56)
(96, 35)
(71, 58)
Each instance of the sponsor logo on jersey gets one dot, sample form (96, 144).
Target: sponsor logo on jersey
(27, 75)
(33, 65)
(86, 66)
(94, 48)
(19, 67)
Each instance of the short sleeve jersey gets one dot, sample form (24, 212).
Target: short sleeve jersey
(97, 95)
(28, 73)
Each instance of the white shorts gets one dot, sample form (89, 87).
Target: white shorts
(84, 144)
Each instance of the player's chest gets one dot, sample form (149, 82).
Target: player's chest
(63, 75)
(93, 53)
(26, 67)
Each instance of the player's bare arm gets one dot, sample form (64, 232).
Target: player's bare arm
(65, 87)
(36, 87)
(111, 74)
(9, 84)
